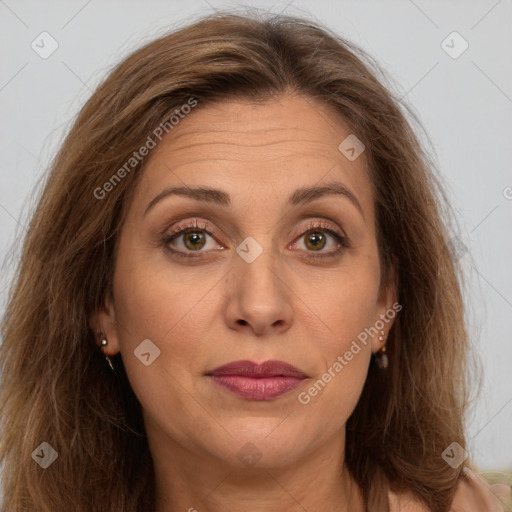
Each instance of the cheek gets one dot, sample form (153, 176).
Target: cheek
(347, 310)
(174, 311)
(325, 406)
(344, 305)
(157, 309)
(156, 300)
(343, 358)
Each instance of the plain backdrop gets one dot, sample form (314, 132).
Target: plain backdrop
(462, 96)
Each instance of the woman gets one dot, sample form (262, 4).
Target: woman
(243, 221)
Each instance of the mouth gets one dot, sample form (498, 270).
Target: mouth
(253, 381)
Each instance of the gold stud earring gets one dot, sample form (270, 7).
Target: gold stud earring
(381, 356)
(104, 343)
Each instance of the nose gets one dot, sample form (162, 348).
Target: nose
(259, 299)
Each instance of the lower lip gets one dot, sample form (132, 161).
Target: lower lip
(262, 388)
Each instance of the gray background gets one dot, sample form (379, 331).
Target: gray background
(464, 103)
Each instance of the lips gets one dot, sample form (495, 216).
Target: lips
(253, 381)
(255, 370)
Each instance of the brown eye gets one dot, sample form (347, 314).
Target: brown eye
(315, 240)
(194, 240)
(189, 239)
(317, 237)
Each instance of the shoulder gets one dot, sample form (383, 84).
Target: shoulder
(473, 494)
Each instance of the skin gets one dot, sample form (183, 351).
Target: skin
(207, 311)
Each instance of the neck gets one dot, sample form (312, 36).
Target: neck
(319, 480)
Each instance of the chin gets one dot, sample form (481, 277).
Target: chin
(263, 448)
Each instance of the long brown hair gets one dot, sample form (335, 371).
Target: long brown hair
(55, 384)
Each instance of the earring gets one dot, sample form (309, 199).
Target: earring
(381, 356)
(104, 343)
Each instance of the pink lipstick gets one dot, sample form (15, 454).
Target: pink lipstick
(254, 381)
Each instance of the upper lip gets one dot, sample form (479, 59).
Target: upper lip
(252, 369)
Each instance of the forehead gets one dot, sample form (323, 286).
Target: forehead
(256, 150)
(260, 125)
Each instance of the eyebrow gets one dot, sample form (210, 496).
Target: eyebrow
(221, 198)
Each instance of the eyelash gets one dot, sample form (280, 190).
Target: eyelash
(312, 227)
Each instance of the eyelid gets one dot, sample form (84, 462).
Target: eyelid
(182, 228)
(321, 225)
(186, 217)
(203, 225)
(313, 225)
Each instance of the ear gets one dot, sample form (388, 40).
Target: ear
(103, 323)
(387, 305)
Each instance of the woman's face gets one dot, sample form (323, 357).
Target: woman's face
(264, 277)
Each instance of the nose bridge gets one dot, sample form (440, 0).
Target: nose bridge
(259, 253)
(257, 225)
(258, 256)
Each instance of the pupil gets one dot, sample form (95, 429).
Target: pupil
(196, 238)
(315, 239)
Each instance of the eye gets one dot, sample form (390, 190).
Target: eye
(193, 238)
(316, 238)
